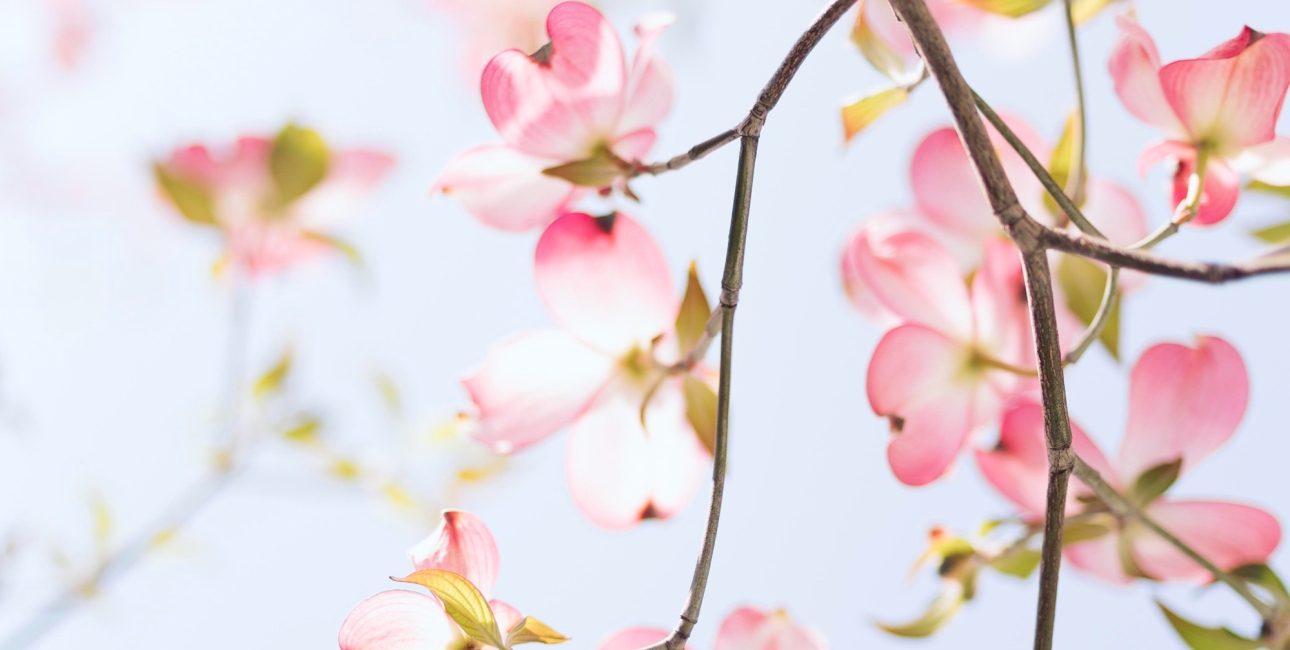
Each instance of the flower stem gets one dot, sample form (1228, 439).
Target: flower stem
(1109, 295)
(1187, 210)
(1075, 184)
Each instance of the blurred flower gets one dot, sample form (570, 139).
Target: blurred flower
(1218, 111)
(490, 26)
(572, 117)
(273, 199)
(73, 29)
(746, 628)
(1184, 403)
(608, 373)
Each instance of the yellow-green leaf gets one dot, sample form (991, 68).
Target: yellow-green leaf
(463, 603)
(1155, 481)
(298, 162)
(271, 381)
(692, 318)
(600, 170)
(1011, 8)
(1082, 283)
(304, 433)
(193, 201)
(1019, 562)
(1263, 576)
(1199, 637)
(701, 410)
(531, 630)
(859, 114)
(1085, 10)
(1074, 532)
(1062, 161)
(937, 615)
(343, 247)
(1274, 234)
(879, 55)
(1260, 186)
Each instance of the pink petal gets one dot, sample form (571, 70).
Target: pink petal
(1135, 67)
(1184, 402)
(920, 376)
(351, 177)
(955, 18)
(1115, 211)
(1001, 319)
(522, 101)
(1227, 534)
(1222, 188)
(650, 88)
(1231, 97)
(634, 145)
(462, 544)
(1163, 150)
(533, 385)
(747, 628)
(505, 188)
(587, 64)
(507, 616)
(1100, 557)
(909, 275)
(618, 473)
(1268, 162)
(605, 280)
(397, 620)
(635, 638)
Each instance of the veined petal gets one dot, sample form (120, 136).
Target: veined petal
(618, 474)
(650, 86)
(747, 628)
(1227, 534)
(532, 385)
(505, 188)
(1231, 97)
(605, 280)
(398, 620)
(635, 638)
(506, 614)
(1184, 402)
(462, 544)
(920, 379)
(1135, 67)
(911, 276)
(1268, 162)
(1100, 557)
(587, 68)
(521, 101)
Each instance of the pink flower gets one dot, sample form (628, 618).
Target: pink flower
(273, 199)
(745, 628)
(1223, 105)
(406, 620)
(1184, 403)
(606, 283)
(573, 101)
(490, 26)
(936, 375)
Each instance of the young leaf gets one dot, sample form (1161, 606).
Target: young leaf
(701, 410)
(193, 201)
(1019, 563)
(1274, 234)
(463, 603)
(345, 248)
(1155, 481)
(937, 615)
(598, 171)
(271, 381)
(1082, 283)
(692, 317)
(1263, 576)
(879, 55)
(1063, 160)
(1260, 186)
(1198, 637)
(531, 630)
(857, 115)
(1074, 532)
(298, 162)
(1010, 8)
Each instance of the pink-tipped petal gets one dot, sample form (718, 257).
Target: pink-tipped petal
(650, 86)
(1157, 152)
(1222, 189)
(635, 638)
(618, 473)
(1268, 162)
(1227, 534)
(1135, 67)
(462, 544)
(398, 620)
(747, 628)
(605, 280)
(505, 188)
(1100, 557)
(521, 100)
(1231, 97)
(587, 64)
(533, 385)
(1184, 402)
(911, 276)
(506, 614)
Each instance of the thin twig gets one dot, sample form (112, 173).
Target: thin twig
(1187, 210)
(1128, 510)
(749, 133)
(1212, 273)
(1079, 169)
(1109, 295)
(696, 152)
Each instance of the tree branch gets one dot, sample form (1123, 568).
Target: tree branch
(1157, 265)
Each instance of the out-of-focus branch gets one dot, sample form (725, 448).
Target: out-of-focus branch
(1079, 171)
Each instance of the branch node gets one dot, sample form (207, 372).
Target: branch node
(729, 297)
(1061, 460)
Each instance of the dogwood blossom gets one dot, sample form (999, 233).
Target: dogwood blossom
(746, 628)
(1184, 403)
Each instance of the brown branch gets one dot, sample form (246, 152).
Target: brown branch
(1148, 262)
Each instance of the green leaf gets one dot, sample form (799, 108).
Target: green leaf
(941, 610)
(1260, 186)
(1063, 160)
(1082, 283)
(1274, 234)
(600, 170)
(692, 318)
(878, 54)
(192, 200)
(1263, 576)
(298, 162)
(1011, 8)
(271, 381)
(701, 410)
(1198, 637)
(858, 114)
(1155, 481)
(1085, 10)
(343, 247)
(1020, 562)
(1078, 531)
(531, 630)
(463, 603)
